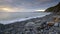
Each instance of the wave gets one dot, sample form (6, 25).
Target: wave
(22, 19)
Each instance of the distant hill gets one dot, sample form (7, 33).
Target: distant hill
(54, 9)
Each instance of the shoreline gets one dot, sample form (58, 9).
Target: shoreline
(39, 19)
(19, 26)
(23, 19)
(22, 23)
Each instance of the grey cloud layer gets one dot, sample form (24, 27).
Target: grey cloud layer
(27, 3)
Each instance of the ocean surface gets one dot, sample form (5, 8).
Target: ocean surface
(10, 17)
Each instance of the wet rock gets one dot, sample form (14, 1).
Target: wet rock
(56, 24)
(2, 27)
(53, 33)
(59, 24)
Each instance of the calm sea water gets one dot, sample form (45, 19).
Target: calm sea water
(5, 17)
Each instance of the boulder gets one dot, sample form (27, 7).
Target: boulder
(56, 24)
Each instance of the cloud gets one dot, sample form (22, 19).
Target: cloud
(10, 9)
(8, 1)
(26, 4)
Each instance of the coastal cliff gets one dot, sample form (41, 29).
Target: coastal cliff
(54, 9)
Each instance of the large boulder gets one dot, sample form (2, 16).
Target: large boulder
(56, 24)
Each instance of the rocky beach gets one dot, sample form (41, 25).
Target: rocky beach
(49, 24)
(32, 26)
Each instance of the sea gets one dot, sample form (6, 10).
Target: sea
(10, 17)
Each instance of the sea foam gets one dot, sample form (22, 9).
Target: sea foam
(21, 19)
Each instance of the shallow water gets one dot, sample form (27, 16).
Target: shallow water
(5, 17)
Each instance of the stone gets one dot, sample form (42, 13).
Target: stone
(53, 33)
(59, 24)
(30, 24)
(56, 24)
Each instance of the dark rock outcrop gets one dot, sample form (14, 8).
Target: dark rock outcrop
(1, 27)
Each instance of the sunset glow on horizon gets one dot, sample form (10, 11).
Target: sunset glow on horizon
(26, 5)
(39, 10)
(8, 9)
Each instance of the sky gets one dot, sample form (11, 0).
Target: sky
(26, 5)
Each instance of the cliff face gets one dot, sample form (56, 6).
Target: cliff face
(55, 9)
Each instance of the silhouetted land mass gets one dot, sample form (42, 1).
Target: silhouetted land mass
(54, 9)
